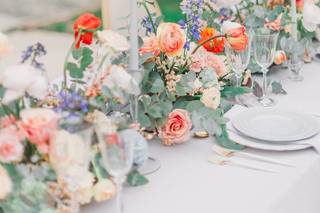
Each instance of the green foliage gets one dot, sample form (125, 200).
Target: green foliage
(136, 179)
(229, 92)
(225, 141)
(82, 58)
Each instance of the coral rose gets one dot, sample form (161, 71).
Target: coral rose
(211, 97)
(177, 128)
(86, 22)
(11, 147)
(7, 121)
(280, 57)
(274, 25)
(236, 35)
(38, 124)
(150, 45)
(6, 183)
(171, 38)
(215, 45)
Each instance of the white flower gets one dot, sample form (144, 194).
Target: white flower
(19, 79)
(211, 97)
(6, 184)
(104, 190)
(119, 78)
(104, 123)
(227, 3)
(229, 25)
(4, 45)
(84, 192)
(114, 40)
(68, 153)
(311, 16)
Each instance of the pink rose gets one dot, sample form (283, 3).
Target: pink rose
(150, 45)
(280, 57)
(171, 38)
(211, 97)
(236, 35)
(177, 128)
(38, 124)
(203, 59)
(6, 183)
(274, 25)
(7, 121)
(11, 147)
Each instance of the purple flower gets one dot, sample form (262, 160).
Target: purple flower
(147, 24)
(32, 53)
(72, 102)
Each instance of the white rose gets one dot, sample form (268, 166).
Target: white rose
(211, 97)
(114, 40)
(311, 16)
(22, 78)
(119, 78)
(68, 153)
(229, 25)
(6, 184)
(104, 123)
(4, 45)
(84, 192)
(105, 189)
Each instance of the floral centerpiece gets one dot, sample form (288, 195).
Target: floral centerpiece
(186, 80)
(49, 160)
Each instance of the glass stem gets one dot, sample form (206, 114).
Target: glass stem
(238, 83)
(119, 199)
(265, 83)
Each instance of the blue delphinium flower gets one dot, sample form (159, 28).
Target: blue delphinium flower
(33, 53)
(146, 23)
(72, 101)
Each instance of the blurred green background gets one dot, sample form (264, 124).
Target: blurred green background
(170, 10)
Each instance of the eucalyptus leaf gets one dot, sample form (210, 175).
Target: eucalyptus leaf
(136, 179)
(277, 88)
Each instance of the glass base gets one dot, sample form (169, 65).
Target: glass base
(151, 166)
(296, 77)
(267, 102)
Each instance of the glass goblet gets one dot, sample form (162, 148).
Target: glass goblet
(295, 65)
(238, 60)
(264, 53)
(117, 154)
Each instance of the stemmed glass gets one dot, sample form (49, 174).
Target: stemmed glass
(117, 154)
(264, 52)
(239, 60)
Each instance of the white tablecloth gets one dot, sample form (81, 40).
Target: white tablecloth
(187, 183)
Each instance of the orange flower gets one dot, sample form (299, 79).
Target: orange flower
(236, 35)
(299, 5)
(274, 25)
(280, 57)
(171, 38)
(86, 22)
(215, 45)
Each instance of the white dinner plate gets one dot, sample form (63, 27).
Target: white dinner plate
(254, 143)
(275, 125)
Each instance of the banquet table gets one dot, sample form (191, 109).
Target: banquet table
(188, 183)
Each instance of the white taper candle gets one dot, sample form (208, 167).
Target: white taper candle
(134, 52)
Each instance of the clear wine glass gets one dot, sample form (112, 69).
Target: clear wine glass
(117, 154)
(264, 52)
(239, 60)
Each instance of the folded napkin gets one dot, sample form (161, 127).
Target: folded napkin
(254, 143)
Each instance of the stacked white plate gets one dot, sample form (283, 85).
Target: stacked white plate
(273, 129)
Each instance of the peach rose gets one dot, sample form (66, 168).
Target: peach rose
(280, 57)
(274, 25)
(211, 97)
(11, 147)
(6, 183)
(105, 189)
(171, 38)
(177, 128)
(235, 35)
(37, 125)
(150, 45)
